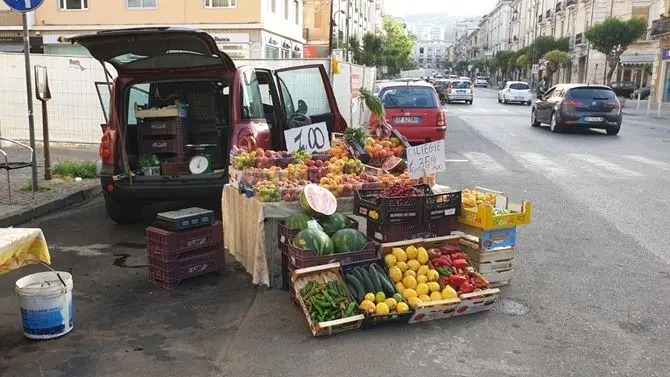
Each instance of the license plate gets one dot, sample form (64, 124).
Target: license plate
(519, 98)
(407, 120)
(460, 91)
(593, 119)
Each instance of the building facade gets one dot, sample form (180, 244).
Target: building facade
(350, 18)
(430, 54)
(256, 29)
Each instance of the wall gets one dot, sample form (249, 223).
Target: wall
(74, 110)
(9, 17)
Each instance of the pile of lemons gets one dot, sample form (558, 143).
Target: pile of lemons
(380, 304)
(414, 279)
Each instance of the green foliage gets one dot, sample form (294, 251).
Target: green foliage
(523, 61)
(393, 50)
(446, 64)
(28, 187)
(555, 59)
(461, 67)
(502, 59)
(613, 36)
(69, 168)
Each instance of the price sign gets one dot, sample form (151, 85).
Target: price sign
(312, 138)
(426, 159)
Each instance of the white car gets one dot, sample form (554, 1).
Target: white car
(515, 92)
(460, 90)
(482, 82)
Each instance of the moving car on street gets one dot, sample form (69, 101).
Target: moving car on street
(460, 90)
(178, 100)
(515, 92)
(644, 93)
(623, 88)
(481, 82)
(414, 110)
(578, 106)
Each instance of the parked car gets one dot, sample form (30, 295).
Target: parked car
(515, 92)
(228, 107)
(623, 88)
(464, 78)
(460, 90)
(644, 93)
(578, 106)
(481, 82)
(414, 110)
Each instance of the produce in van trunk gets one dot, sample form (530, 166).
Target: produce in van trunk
(297, 221)
(315, 240)
(335, 222)
(317, 200)
(349, 240)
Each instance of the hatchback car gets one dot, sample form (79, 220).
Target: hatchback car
(460, 90)
(414, 110)
(515, 92)
(482, 82)
(578, 106)
(160, 68)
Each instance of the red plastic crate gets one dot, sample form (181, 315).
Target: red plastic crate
(169, 244)
(170, 274)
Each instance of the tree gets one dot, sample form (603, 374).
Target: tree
(461, 67)
(397, 46)
(446, 64)
(613, 36)
(555, 59)
(502, 59)
(523, 61)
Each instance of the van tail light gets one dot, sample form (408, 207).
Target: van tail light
(440, 118)
(106, 149)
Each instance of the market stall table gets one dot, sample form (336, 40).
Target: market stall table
(250, 232)
(21, 246)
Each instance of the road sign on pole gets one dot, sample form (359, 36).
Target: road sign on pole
(25, 6)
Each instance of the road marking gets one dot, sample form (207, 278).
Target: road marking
(600, 163)
(483, 110)
(649, 161)
(536, 161)
(451, 160)
(484, 162)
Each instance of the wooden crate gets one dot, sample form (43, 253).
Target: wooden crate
(480, 256)
(489, 239)
(499, 278)
(324, 273)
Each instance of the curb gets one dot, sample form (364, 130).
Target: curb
(48, 207)
(644, 115)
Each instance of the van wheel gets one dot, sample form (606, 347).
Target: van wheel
(123, 212)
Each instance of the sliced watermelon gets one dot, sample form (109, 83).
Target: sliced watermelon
(393, 164)
(335, 222)
(297, 221)
(318, 201)
(348, 240)
(315, 240)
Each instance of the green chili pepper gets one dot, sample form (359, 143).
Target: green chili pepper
(350, 310)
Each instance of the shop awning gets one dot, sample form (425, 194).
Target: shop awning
(632, 59)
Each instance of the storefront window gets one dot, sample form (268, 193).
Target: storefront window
(666, 83)
(271, 52)
(296, 55)
(285, 54)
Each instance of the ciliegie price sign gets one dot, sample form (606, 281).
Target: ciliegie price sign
(426, 159)
(312, 138)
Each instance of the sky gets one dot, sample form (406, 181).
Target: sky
(401, 8)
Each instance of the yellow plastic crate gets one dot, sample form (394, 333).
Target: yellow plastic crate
(483, 217)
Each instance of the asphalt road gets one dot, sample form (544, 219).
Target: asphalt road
(589, 297)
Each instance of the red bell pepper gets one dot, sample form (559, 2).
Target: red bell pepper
(450, 249)
(441, 261)
(479, 281)
(466, 287)
(434, 253)
(459, 255)
(443, 280)
(456, 280)
(460, 263)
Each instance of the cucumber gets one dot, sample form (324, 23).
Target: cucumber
(367, 282)
(355, 287)
(375, 278)
(388, 287)
(357, 274)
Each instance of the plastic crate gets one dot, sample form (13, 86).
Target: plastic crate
(287, 235)
(393, 209)
(439, 206)
(170, 274)
(377, 319)
(384, 233)
(169, 244)
(161, 127)
(303, 258)
(174, 145)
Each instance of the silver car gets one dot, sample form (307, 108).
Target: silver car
(460, 90)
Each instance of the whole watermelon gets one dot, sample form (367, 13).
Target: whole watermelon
(297, 221)
(335, 222)
(315, 240)
(348, 240)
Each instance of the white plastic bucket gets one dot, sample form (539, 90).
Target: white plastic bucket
(45, 299)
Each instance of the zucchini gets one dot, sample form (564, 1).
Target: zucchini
(388, 287)
(367, 282)
(357, 274)
(355, 287)
(375, 278)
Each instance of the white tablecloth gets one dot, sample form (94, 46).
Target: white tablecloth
(21, 246)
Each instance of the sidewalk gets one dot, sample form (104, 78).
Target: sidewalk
(631, 109)
(61, 192)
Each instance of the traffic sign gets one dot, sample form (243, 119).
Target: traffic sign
(24, 5)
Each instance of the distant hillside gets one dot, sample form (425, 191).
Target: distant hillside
(446, 20)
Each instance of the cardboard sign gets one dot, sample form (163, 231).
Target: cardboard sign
(426, 159)
(312, 138)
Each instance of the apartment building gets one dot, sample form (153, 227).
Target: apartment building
(498, 28)
(350, 18)
(242, 28)
(430, 54)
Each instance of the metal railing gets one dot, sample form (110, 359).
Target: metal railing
(660, 27)
(559, 7)
(579, 38)
(569, 3)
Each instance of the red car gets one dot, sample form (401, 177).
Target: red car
(159, 69)
(413, 108)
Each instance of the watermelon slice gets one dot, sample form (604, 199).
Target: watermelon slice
(318, 201)
(394, 164)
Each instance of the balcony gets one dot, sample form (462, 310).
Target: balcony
(579, 39)
(660, 27)
(559, 7)
(548, 16)
(571, 3)
(539, 18)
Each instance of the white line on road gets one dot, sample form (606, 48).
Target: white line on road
(612, 168)
(536, 161)
(649, 161)
(484, 162)
(451, 160)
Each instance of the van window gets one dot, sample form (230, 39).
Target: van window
(251, 101)
(139, 95)
(307, 85)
